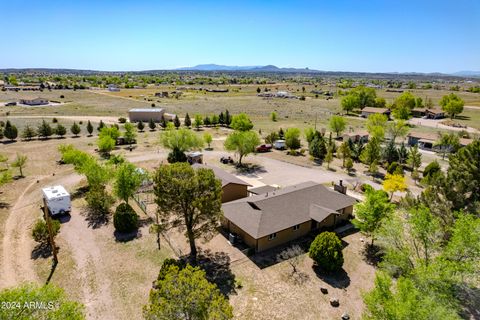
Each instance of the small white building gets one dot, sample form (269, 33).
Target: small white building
(113, 88)
(279, 144)
(57, 199)
(144, 115)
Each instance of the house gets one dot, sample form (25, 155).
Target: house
(356, 136)
(368, 111)
(136, 115)
(428, 113)
(268, 220)
(194, 157)
(34, 102)
(424, 140)
(233, 188)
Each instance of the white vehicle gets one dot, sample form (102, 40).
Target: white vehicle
(57, 199)
(279, 144)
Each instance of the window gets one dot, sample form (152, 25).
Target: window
(295, 228)
(272, 236)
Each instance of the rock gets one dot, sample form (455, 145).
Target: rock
(334, 302)
(324, 290)
(345, 316)
(362, 240)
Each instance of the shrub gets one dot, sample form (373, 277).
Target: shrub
(122, 120)
(431, 169)
(40, 230)
(326, 251)
(176, 155)
(125, 218)
(54, 120)
(395, 168)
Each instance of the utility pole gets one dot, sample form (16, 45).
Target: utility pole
(50, 232)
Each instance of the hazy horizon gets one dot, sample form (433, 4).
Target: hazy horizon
(345, 36)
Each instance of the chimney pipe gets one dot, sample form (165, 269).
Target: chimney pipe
(341, 182)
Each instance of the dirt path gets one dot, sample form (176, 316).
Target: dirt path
(88, 258)
(17, 264)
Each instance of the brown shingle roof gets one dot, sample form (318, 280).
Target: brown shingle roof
(375, 110)
(225, 177)
(262, 189)
(262, 215)
(424, 135)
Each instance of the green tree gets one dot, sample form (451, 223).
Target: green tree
(197, 121)
(75, 129)
(242, 142)
(57, 305)
(414, 159)
(370, 214)
(29, 133)
(405, 301)
(40, 231)
(10, 131)
(329, 157)
(101, 125)
(376, 124)
(366, 96)
(129, 135)
(176, 122)
(272, 137)
(152, 125)
(403, 105)
(44, 130)
(186, 294)
(228, 118)
(163, 122)
(273, 116)
(447, 143)
(345, 152)
(371, 154)
(179, 142)
(207, 137)
(107, 139)
(397, 129)
(452, 104)
(60, 130)
(350, 102)
(140, 126)
(292, 138)
(337, 124)
(20, 162)
(309, 134)
(190, 199)
(390, 152)
(326, 251)
(125, 219)
(317, 148)
(99, 203)
(127, 180)
(241, 122)
(187, 121)
(89, 128)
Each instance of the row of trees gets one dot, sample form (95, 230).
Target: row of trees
(361, 97)
(44, 131)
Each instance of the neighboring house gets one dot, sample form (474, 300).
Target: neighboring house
(113, 88)
(136, 115)
(428, 113)
(267, 220)
(233, 188)
(426, 141)
(368, 111)
(194, 157)
(34, 102)
(356, 136)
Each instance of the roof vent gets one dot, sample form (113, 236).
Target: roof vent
(253, 205)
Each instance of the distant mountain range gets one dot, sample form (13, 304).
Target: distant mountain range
(267, 68)
(467, 73)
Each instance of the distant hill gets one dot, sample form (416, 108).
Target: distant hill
(267, 68)
(467, 73)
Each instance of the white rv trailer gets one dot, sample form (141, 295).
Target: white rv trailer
(57, 199)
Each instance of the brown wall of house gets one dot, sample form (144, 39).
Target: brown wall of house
(231, 227)
(233, 192)
(284, 236)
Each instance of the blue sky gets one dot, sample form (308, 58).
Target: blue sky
(336, 35)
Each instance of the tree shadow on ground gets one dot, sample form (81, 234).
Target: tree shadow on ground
(64, 218)
(79, 193)
(217, 268)
(4, 205)
(127, 236)
(372, 254)
(338, 279)
(42, 250)
(469, 298)
(95, 220)
(249, 169)
(145, 222)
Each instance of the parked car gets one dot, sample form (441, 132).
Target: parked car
(264, 148)
(121, 141)
(279, 144)
(226, 160)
